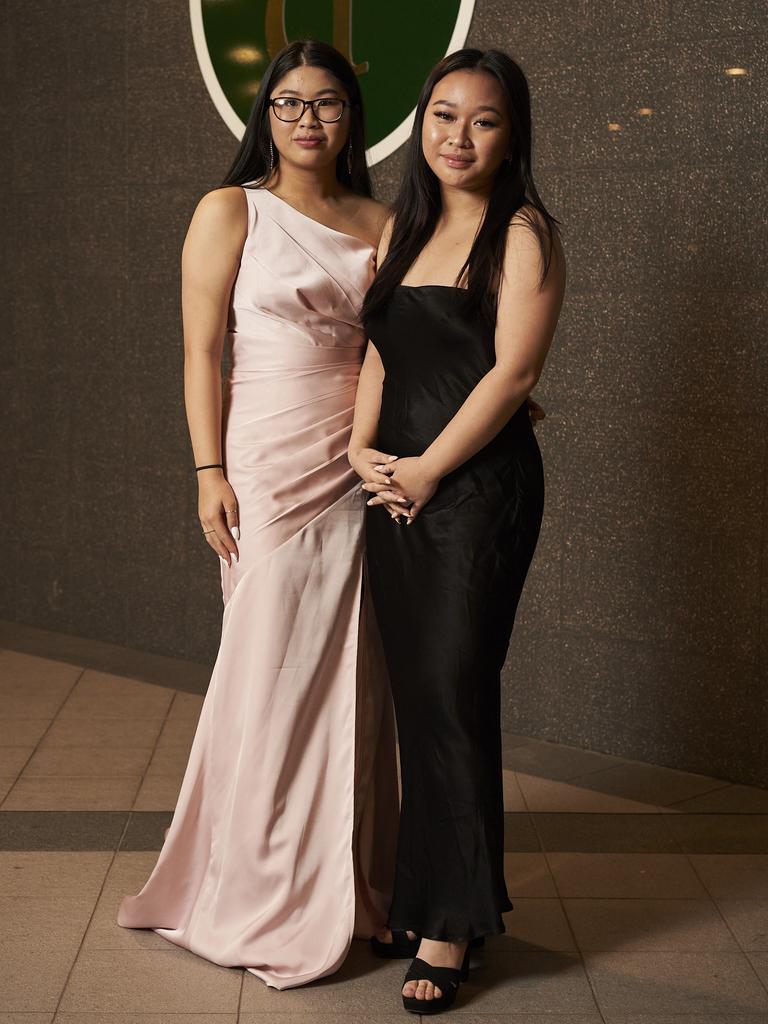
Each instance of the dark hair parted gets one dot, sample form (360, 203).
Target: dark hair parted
(417, 207)
(252, 160)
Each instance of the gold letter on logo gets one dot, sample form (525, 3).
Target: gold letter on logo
(342, 33)
(277, 37)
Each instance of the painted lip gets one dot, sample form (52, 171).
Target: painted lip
(457, 161)
(309, 141)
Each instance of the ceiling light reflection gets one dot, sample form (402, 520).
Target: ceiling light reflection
(245, 54)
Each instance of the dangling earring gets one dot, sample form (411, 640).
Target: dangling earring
(271, 156)
(349, 157)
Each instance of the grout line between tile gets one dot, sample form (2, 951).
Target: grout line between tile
(45, 733)
(154, 751)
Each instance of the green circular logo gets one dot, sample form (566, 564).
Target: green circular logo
(392, 46)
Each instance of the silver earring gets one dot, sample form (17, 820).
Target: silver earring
(271, 156)
(349, 157)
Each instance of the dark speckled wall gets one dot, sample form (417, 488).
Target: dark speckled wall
(644, 626)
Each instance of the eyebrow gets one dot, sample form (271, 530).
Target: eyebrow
(320, 92)
(448, 103)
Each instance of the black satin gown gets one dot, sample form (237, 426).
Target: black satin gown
(445, 589)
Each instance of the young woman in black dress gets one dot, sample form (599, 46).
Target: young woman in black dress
(460, 318)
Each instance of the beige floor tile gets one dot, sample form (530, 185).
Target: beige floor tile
(372, 1016)
(79, 793)
(19, 672)
(25, 1018)
(759, 962)
(169, 760)
(22, 731)
(99, 694)
(534, 924)
(33, 687)
(725, 800)
(103, 732)
(700, 983)
(49, 918)
(748, 920)
(177, 732)
(170, 980)
(635, 925)
(34, 974)
(528, 982)
(648, 783)
(149, 1018)
(13, 759)
(513, 797)
(158, 793)
(547, 795)
(528, 874)
(101, 762)
(733, 875)
(126, 877)
(625, 875)
(186, 706)
(77, 874)
(33, 705)
(363, 981)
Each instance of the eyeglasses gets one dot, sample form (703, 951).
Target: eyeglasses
(291, 108)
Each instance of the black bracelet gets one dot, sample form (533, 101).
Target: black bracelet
(213, 465)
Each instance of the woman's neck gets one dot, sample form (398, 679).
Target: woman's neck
(306, 186)
(462, 204)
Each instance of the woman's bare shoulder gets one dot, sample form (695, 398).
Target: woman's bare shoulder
(373, 215)
(223, 206)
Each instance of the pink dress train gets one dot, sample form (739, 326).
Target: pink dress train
(282, 843)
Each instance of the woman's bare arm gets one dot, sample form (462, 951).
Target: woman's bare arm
(209, 265)
(367, 461)
(525, 326)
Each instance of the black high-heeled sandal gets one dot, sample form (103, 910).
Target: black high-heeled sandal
(401, 947)
(447, 979)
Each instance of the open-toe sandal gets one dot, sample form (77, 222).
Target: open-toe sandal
(400, 946)
(447, 979)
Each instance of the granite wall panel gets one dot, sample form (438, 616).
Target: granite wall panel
(643, 629)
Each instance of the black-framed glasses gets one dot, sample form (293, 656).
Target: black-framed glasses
(291, 108)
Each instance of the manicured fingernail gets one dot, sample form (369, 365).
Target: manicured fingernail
(369, 502)
(223, 561)
(233, 555)
(236, 532)
(408, 521)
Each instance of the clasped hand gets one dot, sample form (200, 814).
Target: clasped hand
(391, 482)
(404, 486)
(411, 484)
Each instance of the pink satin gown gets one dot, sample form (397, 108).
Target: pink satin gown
(282, 843)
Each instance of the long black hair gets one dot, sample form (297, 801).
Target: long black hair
(252, 160)
(417, 207)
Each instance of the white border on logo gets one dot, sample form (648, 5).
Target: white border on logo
(374, 154)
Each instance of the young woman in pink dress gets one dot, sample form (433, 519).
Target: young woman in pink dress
(281, 847)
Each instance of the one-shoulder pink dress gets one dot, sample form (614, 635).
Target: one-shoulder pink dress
(282, 843)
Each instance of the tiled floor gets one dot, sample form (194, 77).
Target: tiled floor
(640, 893)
